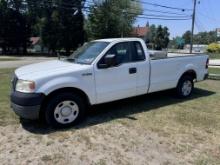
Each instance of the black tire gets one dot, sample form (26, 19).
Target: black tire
(179, 89)
(58, 99)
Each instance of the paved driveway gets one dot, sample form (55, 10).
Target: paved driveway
(23, 61)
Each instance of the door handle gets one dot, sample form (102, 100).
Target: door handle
(132, 70)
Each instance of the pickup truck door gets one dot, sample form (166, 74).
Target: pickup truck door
(143, 67)
(119, 81)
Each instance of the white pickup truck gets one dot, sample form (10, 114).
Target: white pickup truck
(100, 71)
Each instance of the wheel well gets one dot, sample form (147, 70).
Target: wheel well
(68, 89)
(190, 73)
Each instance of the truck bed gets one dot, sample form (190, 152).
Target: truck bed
(156, 55)
(165, 72)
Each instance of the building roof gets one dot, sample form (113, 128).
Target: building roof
(140, 31)
(35, 40)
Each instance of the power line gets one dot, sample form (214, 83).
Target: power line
(146, 9)
(168, 19)
(154, 15)
(143, 16)
(163, 6)
(149, 17)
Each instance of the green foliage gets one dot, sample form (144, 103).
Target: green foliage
(214, 48)
(205, 37)
(112, 18)
(187, 37)
(58, 22)
(158, 37)
(200, 38)
(15, 27)
(59, 26)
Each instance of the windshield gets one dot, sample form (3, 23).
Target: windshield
(88, 52)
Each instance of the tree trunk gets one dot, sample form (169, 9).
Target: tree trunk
(25, 48)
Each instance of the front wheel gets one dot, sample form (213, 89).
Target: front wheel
(185, 87)
(64, 110)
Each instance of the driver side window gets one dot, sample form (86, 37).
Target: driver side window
(122, 53)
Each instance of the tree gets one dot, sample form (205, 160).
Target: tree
(151, 35)
(51, 31)
(205, 37)
(72, 23)
(112, 18)
(59, 23)
(187, 37)
(15, 29)
(201, 37)
(158, 37)
(166, 36)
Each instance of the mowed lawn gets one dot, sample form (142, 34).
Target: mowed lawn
(6, 115)
(214, 71)
(214, 55)
(8, 59)
(190, 128)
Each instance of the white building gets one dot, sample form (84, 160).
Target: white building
(197, 48)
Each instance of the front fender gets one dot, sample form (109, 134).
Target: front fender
(68, 82)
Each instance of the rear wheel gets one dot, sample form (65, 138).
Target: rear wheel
(64, 110)
(185, 87)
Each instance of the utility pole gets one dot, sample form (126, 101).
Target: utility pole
(123, 17)
(193, 25)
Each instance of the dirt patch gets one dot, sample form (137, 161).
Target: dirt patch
(100, 144)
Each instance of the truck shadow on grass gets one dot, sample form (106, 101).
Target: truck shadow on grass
(120, 109)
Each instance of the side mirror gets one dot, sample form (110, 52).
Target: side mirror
(109, 60)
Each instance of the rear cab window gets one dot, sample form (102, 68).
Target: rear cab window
(138, 52)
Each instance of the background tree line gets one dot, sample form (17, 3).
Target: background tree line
(203, 38)
(63, 24)
(59, 26)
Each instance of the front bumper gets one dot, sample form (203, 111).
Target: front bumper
(27, 105)
(26, 112)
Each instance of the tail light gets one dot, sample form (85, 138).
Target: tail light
(207, 64)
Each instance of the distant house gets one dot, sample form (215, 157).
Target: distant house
(141, 32)
(218, 32)
(36, 46)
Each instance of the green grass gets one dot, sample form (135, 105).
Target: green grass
(8, 59)
(214, 71)
(214, 55)
(6, 114)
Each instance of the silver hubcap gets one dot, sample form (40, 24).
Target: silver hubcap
(66, 112)
(187, 88)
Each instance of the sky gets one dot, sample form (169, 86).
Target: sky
(207, 15)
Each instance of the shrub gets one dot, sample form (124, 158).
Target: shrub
(214, 48)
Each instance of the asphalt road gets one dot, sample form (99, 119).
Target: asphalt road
(23, 61)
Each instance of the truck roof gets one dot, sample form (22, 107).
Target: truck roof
(119, 39)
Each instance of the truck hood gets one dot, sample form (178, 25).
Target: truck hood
(47, 68)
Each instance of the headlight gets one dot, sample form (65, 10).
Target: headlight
(25, 86)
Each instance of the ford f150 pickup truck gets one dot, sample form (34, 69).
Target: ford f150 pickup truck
(98, 72)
